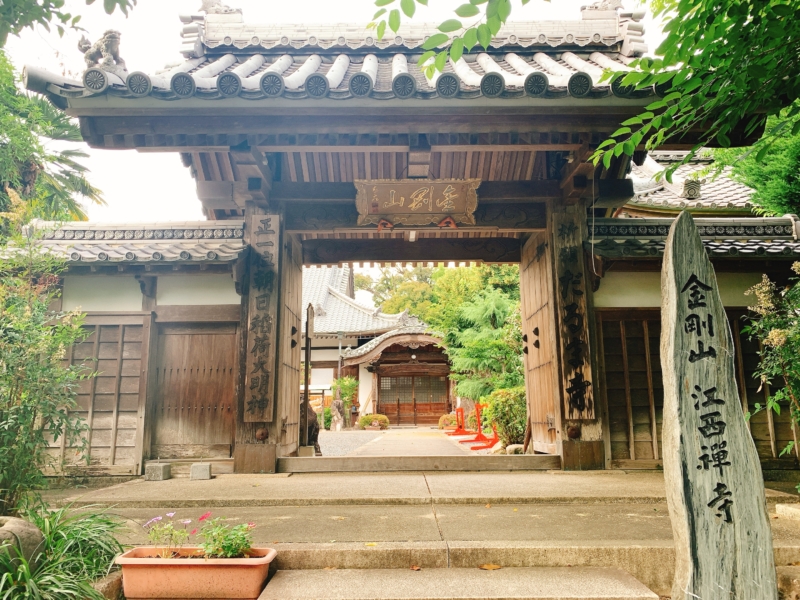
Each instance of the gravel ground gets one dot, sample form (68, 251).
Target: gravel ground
(339, 443)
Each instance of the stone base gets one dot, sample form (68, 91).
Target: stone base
(157, 472)
(111, 586)
(788, 511)
(306, 451)
(200, 471)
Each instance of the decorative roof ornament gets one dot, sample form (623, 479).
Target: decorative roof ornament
(691, 188)
(216, 7)
(101, 58)
(604, 5)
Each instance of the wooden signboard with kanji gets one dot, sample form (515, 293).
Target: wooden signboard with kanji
(715, 490)
(416, 201)
(262, 316)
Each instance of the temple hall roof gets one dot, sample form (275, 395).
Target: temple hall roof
(200, 241)
(723, 237)
(225, 57)
(330, 291)
(691, 188)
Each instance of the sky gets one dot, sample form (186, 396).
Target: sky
(151, 39)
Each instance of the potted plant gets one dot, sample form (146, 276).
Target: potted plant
(224, 565)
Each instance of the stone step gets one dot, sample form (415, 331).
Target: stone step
(389, 464)
(180, 467)
(543, 583)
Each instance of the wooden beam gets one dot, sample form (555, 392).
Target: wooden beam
(488, 250)
(319, 217)
(489, 191)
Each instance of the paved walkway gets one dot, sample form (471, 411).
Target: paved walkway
(419, 441)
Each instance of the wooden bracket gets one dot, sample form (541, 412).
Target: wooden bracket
(384, 224)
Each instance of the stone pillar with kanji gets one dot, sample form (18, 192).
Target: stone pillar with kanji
(714, 484)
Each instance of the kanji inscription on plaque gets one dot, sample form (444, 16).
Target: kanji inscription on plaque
(416, 201)
(715, 490)
(261, 330)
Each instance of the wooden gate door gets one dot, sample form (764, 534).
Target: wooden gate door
(430, 399)
(397, 399)
(193, 403)
(538, 328)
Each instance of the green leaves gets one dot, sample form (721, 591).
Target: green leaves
(456, 49)
(394, 20)
(450, 25)
(470, 38)
(467, 10)
(437, 39)
(408, 7)
(484, 35)
(381, 29)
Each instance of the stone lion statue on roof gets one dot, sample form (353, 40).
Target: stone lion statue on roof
(104, 52)
(216, 7)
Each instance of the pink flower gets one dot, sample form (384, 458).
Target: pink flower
(251, 525)
(186, 521)
(151, 521)
(170, 515)
(204, 517)
(193, 531)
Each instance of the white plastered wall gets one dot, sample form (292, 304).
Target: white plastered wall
(97, 293)
(322, 376)
(364, 390)
(643, 290)
(196, 290)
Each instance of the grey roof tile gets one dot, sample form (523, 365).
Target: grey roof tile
(202, 241)
(328, 289)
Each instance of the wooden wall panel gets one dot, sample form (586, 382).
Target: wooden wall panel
(538, 322)
(634, 391)
(111, 403)
(193, 408)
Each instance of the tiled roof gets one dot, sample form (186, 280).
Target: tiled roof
(372, 344)
(720, 193)
(335, 311)
(741, 238)
(226, 57)
(201, 241)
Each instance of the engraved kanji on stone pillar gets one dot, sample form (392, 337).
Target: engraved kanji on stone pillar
(259, 389)
(715, 489)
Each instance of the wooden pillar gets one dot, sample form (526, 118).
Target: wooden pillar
(256, 441)
(582, 444)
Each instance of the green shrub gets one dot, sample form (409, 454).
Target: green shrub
(367, 420)
(507, 409)
(447, 421)
(327, 418)
(472, 420)
(79, 547)
(348, 389)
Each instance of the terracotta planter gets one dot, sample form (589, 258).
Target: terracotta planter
(187, 578)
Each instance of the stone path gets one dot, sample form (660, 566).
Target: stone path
(342, 443)
(419, 441)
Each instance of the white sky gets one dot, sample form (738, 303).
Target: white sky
(156, 187)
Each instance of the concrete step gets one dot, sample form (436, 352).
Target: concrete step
(389, 464)
(544, 583)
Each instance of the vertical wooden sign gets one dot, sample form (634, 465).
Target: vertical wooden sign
(572, 323)
(715, 490)
(262, 319)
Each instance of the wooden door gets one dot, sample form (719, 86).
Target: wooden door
(193, 404)
(538, 324)
(430, 399)
(397, 399)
